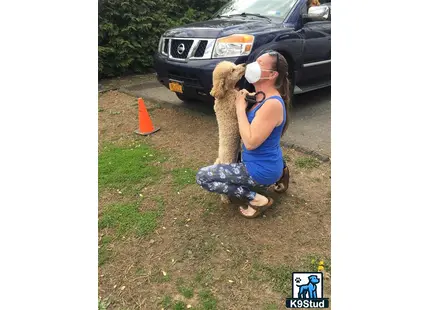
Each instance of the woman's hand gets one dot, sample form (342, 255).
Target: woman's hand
(241, 103)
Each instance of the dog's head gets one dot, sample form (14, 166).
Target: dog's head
(314, 279)
(225, 76)
(313, 3)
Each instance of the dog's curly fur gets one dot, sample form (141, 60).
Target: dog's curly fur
(225, 77)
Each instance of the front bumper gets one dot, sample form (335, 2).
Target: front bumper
(195, 75)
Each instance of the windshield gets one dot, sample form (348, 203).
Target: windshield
(272, 9)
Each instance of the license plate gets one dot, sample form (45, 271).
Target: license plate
(175, 87)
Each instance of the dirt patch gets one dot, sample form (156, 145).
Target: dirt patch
(132, 80)
(198, 242)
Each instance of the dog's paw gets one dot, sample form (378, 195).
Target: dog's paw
(271, 188)
(225, 200)
(217, 161)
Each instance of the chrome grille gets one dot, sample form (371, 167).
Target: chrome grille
(166, 46)
(183, 49)
(201, 48)
(180, 48)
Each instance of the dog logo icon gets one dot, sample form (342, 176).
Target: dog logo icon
(307, 291)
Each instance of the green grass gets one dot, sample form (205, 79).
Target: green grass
(179, 305)
(307, 162)
(103, 304)
(271, 307)
(279, 276)
(209, 203)
(184, 176)
(202, 277)
(159, 277)
(206, 248)
(104, 253)
(122, 168)
(210, 208)
(166, 302)
(199, 277)
(161, 204)
(312, 262)
(207, 300)
(127, 218)
(162, 278)
(183, 289)
(187, 292)
(180, 281)
(154, 106)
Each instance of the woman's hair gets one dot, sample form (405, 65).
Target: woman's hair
(282, 83)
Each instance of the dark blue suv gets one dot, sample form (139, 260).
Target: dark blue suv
(239, 32)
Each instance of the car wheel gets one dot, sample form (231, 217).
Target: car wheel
(189, 99)
(183, 97)
(292, 86)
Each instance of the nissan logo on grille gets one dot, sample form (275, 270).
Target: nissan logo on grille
(181, 48)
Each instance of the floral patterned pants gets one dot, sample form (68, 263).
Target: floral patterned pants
(232, 180)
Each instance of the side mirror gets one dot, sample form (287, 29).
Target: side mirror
(317, 13)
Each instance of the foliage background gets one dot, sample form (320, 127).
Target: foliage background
(129, 31)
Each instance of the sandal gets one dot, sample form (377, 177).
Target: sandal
(258, 209)
(282, 185)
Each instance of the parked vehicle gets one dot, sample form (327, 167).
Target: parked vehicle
(239, 32)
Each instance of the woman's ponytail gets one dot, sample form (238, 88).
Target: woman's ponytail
(283, 85)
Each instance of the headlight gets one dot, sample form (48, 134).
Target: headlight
(160, 44)
(234, 45)
(163, 46)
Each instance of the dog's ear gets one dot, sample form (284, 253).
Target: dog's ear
(218, 89)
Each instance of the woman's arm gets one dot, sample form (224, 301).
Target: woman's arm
(266, 119)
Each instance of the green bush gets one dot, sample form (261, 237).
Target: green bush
(129, 30)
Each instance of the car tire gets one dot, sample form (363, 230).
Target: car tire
(292, 80)
(183, 97)
(188, 99)
(291, 94)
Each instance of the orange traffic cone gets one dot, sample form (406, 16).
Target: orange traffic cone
(145, 124)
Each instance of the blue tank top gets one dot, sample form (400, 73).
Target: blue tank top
(265, 163)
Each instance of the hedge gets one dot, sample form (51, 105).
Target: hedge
(129, 31)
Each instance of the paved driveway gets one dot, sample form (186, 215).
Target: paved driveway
(311, 121)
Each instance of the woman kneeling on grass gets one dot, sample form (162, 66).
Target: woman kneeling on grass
(261, 129)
